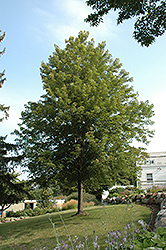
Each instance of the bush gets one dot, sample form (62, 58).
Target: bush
(72, 204)
(90, 198)
(20, 213)
(72, 196)
(115, 192)
(30, 212)
(154, 189)
(86, 197)
(151, 240)
(10, 214)
(137, 190)
(113, 195)
(120, 191)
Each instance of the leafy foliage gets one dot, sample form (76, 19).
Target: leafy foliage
(81, 131)
(86, 197)
(30, 212)
(120, 191)
(116, 191)
(12, 190)
(151, 240)
(42, 196)
(150, 14)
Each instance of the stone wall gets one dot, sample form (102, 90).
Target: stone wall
(161, 216)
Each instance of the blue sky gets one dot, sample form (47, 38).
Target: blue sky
(33, 27)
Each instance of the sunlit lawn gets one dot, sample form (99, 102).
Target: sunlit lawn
(37, 232)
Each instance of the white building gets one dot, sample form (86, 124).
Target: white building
(153, 171)
(20, 206)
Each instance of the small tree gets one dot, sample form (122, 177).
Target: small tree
(43, 196)
(11, 189)
(81, 131)
(150, 14)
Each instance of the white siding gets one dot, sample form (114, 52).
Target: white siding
(155, 165)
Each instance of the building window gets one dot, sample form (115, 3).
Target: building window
(150, 162)
(149, 177)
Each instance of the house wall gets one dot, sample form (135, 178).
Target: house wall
(16, 207)
(153, 171)
(21, 206)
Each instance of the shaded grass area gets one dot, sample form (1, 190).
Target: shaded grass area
(37, 232)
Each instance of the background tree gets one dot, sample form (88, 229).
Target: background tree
(81, 131)
(150, 14)
(43, 196)
(2, 80)
(12, 190)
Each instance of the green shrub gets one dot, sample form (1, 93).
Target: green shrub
(115, 192)
(90, 198)
(10, 214)
(120, 191)
(72, 196)
(113, 195)
(30, 212)
(151, 240)
(137, 190)
(154, 189)
(86, 197)
(20, 213)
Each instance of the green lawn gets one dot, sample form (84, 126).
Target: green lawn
(37, 232)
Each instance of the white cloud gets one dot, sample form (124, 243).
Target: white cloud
(69, 21)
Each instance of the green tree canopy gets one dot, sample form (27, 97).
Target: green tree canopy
(12, 190)
(81, 131)
(42, 196)
(150, 16)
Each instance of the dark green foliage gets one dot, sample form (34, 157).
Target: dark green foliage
(150, 16)
(136, 190)
(12, 190)
(42, 196)
(86, 197)
(116, 191)
(28, 212)
(120, 191)
(155, 189)
(9, 157)
(151, 240)
(81, 131)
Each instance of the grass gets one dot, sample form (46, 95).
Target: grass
(37, 232)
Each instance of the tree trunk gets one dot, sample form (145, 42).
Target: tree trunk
(2, 211)
(80, 197)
